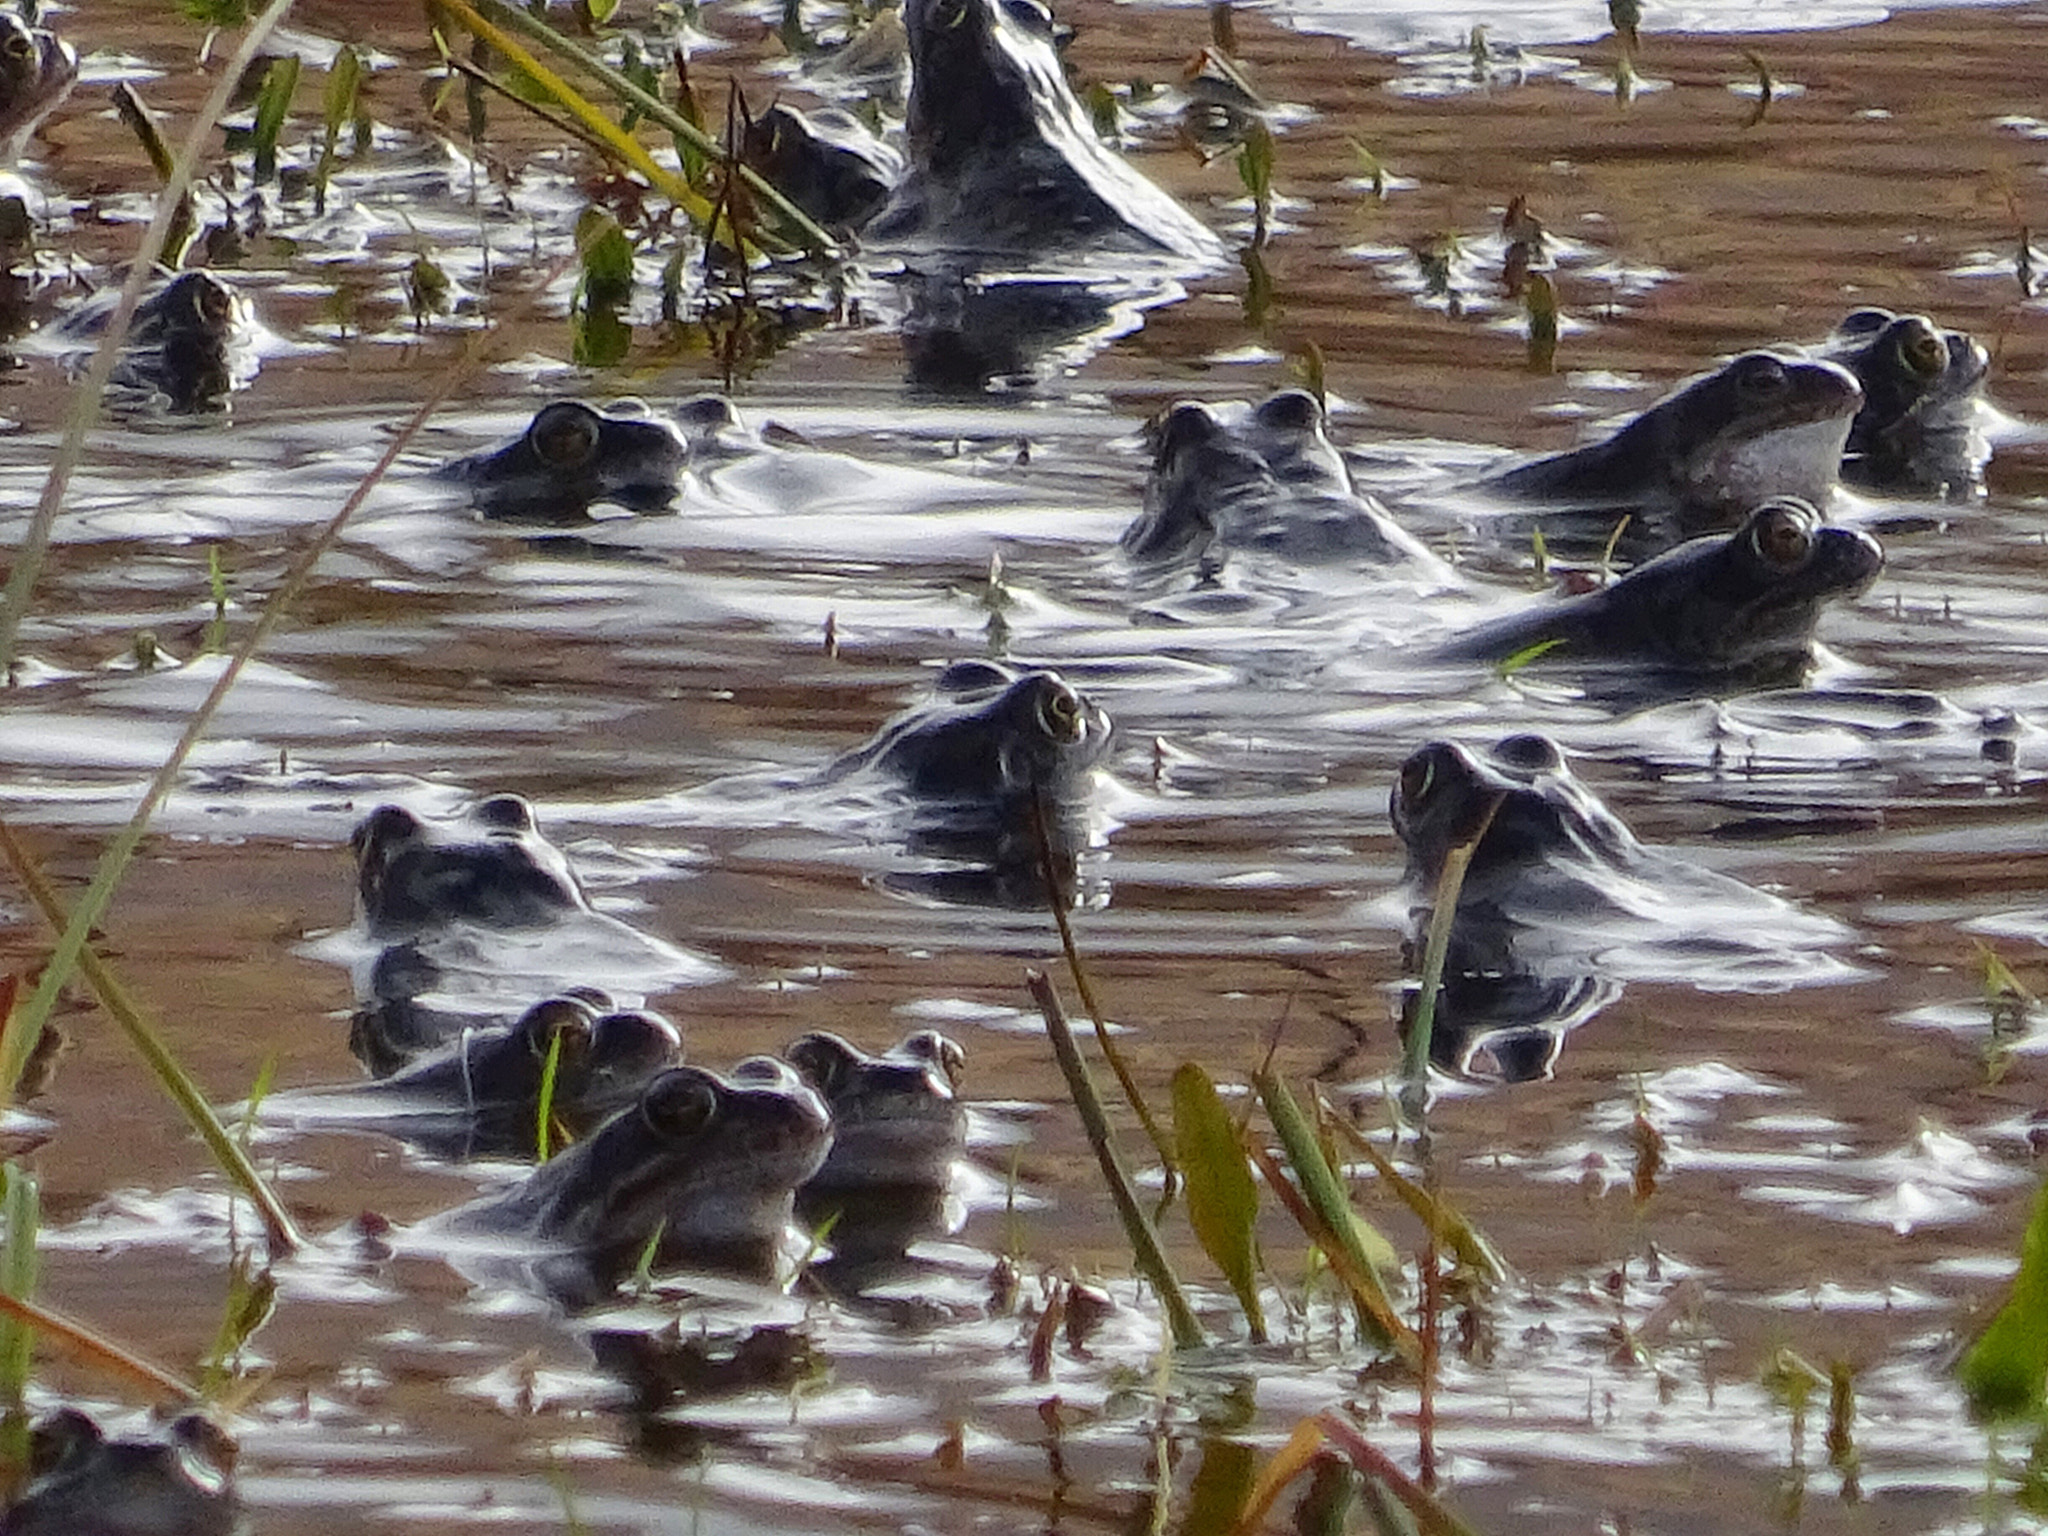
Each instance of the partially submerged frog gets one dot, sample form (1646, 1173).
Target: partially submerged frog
(897, 1122)
(997, 755)
(992, 737)
(481, 1096)
(488, 866)
(825, 161)
(1921, 425)
(80, 1483)
(191, 343)
(1763, 425)
(469, 916)
(1555, 880)
(572, 456)
(1003, 161)
(1718, 613)
(1269, 480)
(702, 1173)
(37, 71)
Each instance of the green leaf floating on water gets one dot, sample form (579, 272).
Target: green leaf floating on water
(1223, 1198)
(2002, 1373)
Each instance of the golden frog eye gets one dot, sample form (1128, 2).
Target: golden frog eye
(564, 435)
(941, 1051)
(1059, 711)
(558, 1027)
(1922, 349)
(1782, 537)
(19, 45)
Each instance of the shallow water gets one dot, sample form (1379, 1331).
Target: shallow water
(1846, 1164)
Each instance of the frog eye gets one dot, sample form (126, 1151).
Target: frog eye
(635, 1037)
(1060, 713)
(505, 813)
(1781, 533)
(940, 1051)
(67, 1438)
(1418, 778)
(564, 435)
(206, 1452)
(1292, 410)
(679, 1105)
(212, 303)
(557, 1020)
(1533, 753)
(1922, 349)
(387, 824)
(19, 45)
(1762, 377)
(824, 1060)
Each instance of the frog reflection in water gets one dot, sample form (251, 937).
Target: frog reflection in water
(997, 750)
(1921, 425)
(897, 1129)
(572, 456)
(83, 1484)
(1560, 903)
(701, 1173)
(1717, 614)
(37, 71)
(1762, 426)
(1271, 481)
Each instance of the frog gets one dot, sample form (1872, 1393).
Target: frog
(1921, 426)
(573, 457)
(701, 1172)
(1764, 424)
(82, 1483)
(1267, 478)
(1718, 614)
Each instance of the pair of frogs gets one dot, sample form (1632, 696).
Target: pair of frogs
(1721, 486)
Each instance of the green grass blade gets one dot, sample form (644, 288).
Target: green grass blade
(1451, 1226)
(621, 145)
(1146, 1251)
(1223, 1197)
(143, 1036)
(544, 1111)
(18, 1275)
(1337, 1228)
(1443, 916)
(76, 1339)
